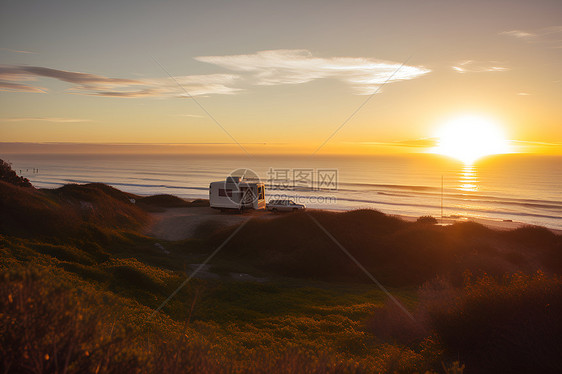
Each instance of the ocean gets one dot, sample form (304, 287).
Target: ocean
(508, 187)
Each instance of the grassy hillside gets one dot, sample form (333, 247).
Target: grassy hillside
(79, 283)
(398, 253)
(68, 211)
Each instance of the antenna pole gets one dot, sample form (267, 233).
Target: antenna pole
(441, 198)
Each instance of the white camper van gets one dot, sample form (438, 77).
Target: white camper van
(237, 193)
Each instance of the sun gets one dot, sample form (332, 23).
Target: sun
(469, 138)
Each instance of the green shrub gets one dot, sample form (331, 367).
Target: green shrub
(127, 276)
(162, 201)
(512, 325)
(71, 211)
(199, 203)
(9, 176)
(62, 252)
(427, 220)
(49, 325)
(88, 273)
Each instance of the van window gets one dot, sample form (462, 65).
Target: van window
(224, 192)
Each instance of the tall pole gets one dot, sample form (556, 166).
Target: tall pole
(441, 198)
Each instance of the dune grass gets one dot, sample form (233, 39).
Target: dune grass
(510, 325)
(233, 326)
(396, 252)
(78, 283)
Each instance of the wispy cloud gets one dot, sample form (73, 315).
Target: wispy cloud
(261, 68)
(523, 146)
(471, 66)
(11, 78)
(197, 85)
(20, 87)
(408, 143)
(549, 36)
(529, 142)
(519, 34)
(45, 119)
(296, 66)
(16, 51)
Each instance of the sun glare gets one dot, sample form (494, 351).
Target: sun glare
(469, 138)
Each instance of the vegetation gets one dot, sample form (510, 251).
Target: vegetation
(427, 219)
(79, 283)
(158, 203)
(493, 325)
(9, 176)
(396, 252)
(508, 325)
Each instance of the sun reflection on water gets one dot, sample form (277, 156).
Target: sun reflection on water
(468, 179)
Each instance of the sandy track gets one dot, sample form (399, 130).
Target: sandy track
(182, 223)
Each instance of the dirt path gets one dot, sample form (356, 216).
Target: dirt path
(182, 223)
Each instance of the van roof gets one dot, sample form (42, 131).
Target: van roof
(244, 182)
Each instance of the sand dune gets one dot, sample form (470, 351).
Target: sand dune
(182, 223)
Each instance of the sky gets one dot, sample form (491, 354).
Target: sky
(277, 76)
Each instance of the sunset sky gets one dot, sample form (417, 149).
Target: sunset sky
(279, 76)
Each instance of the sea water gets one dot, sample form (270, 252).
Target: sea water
(509, 187)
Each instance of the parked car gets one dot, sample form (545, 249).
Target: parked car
(284, 206)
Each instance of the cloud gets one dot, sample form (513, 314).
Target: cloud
(531, 142)
(45, 119)
(522, 146)
(19, 87)
(471, 66)
(519, 34)
(273, 67)
(549, 36)
(16, 51)
(82, 79)
(196, 85)
(296, 66)
(409, 143)
(11, 78)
